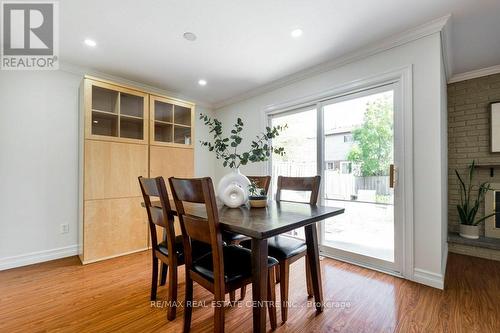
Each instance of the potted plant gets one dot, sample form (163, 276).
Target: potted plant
(257, 197)
(469, 205)
(232, 189)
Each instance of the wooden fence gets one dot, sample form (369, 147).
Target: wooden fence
(337, 185)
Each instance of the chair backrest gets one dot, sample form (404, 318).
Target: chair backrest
(196, 227)
(158, 215)
(299, 184)
(261, 181)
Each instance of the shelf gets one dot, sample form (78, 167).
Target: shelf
(180, 125)
(131, 105)
(163, 122)
(182, 135)
(163, 111)
(104, 100)
(163, 132)
(104, 123)
(105, 112)
(484, 242)
(182, 115)
(490, 167)
(131, 128)
(131, 117)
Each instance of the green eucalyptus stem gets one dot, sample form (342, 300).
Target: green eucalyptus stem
(260, 151)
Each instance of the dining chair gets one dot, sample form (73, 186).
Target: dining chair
(170, 250)
(225, 268)
(287, 249)
(261, 182)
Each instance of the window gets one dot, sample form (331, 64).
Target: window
(348, 138)
(346, 168)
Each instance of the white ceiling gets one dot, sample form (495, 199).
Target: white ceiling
(244, 44)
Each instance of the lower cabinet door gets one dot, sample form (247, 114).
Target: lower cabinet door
(113, 227)
(171, 162)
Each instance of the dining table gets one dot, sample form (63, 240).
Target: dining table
(260, 224)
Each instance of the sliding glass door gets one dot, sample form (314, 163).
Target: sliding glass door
(351, 141)
(300, 142)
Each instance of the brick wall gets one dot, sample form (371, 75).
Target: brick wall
(469, 135)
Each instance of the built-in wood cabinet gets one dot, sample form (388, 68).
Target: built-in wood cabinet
(125, 133)
(171, 122)
(115, 113)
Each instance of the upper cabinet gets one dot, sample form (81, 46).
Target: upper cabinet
(115, 113)
(171, 122)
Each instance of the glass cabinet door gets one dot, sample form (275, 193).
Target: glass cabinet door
(131, 116)
(104, 111)
(116, 113)
(171, 122)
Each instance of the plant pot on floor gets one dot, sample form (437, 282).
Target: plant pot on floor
(257, 201)
(469, 231)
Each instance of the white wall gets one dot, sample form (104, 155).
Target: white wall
(39, 164)
(425, 56)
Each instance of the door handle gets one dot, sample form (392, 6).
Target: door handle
(391, 176)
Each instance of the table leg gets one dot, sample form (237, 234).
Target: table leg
(313, 259)
(259, 283)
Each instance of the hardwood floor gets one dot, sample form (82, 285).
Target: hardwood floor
(113, 296)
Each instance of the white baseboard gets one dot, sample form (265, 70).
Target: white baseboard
(37, 257)
(428, 278)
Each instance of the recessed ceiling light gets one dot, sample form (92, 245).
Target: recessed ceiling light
(296, 33)
(90, 42)
(189, 36)
(202, 82)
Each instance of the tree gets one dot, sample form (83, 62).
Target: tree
(373, 148)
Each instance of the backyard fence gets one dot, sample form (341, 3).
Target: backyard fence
(337, 185)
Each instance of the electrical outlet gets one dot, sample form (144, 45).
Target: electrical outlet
(64, 228)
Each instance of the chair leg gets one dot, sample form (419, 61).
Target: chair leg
(188, 308)
(232, 296)
(308, 279)
(172, 292)
(284, 270)
(271, 298)
(154, 278)
(219, 313)
(163, 274)
(277, 273)
(243, 292)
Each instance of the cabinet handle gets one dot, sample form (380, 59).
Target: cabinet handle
(391, 176)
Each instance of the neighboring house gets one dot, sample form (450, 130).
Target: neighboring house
(338, 144)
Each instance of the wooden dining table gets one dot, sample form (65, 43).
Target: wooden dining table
(262, 223)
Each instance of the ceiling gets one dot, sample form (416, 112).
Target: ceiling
(244, 44)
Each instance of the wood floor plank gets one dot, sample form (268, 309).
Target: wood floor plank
(113, 296)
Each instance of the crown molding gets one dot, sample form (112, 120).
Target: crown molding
(80, 70)
(475, 74)
(429, 28)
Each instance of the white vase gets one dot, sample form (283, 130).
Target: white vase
(469, 231)
(233, 189)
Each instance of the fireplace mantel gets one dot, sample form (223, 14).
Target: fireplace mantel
(491, 167)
